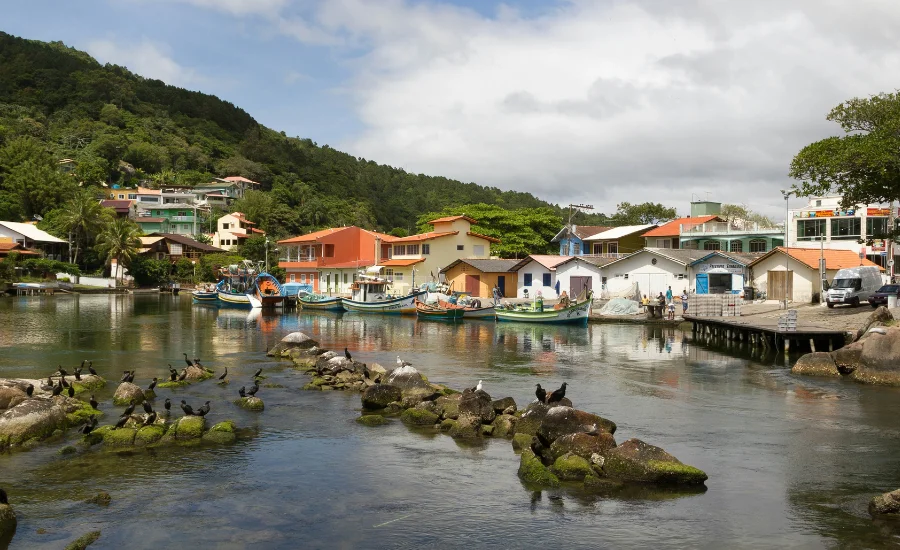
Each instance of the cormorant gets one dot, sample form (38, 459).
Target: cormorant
(224, 374)
(125, 376)
(258, 372)
(147, 408)
(188, 411)
(129, 409)
(94, 404)
(151, 418)
(478, 386)
(62, 371)
(62, 380)
(48, 386)
(57, 389)
(243, 391)
(167, 405)
(173, 374)
(29, 390)
(541, 394)
(130, 377)
(78, 374)
(557, 395)
(347, 355)
(183, 375)
(91, 368)
(253, 389)
(71, 391)
(3, 499)
(153, 384)
(188, 361)
(203, 409)
(121, 422)
(89, 426)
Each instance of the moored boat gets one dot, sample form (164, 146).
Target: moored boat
(369, 294)
(438, 313)
(204, 295)
(267, 291)
(575, 313)
(472, 308)
(317, 302)
(235, 286)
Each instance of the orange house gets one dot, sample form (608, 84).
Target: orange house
(329, 259)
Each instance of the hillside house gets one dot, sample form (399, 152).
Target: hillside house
(232, 229)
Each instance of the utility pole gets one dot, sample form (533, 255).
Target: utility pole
(572, 208)
(787, 245)
(889, 242)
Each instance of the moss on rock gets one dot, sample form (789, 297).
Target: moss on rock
(81, 414)
(147, 435)
(220, 437)
(522, 441)
(84, 541)
(120, 437)
(570, 467)
(532, 470)
(504, 425)
(173, 384)
(372, 420)
(635, 460)
(419, 417)
(448, 424)
(251, 403)
(100, 499)
(224, 426)
(190, 427)
(67, 450)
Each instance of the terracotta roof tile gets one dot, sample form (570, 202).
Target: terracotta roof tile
(834, 259)
(452, 219)
(672, 228)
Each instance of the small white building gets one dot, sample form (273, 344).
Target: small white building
(651, 271)
(32, 238)
(233, 228)
(581, 273)
(537, 274)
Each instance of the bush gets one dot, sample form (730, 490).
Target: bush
(148, 272)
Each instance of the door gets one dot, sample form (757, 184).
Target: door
(658, 284)
(776, 282)
(501, 284)
(702, 283)
(577, 285)
(473, 284)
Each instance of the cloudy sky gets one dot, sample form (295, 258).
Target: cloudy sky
(586, 101)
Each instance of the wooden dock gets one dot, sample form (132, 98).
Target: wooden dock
(764, 333)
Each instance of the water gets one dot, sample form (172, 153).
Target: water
(792, 461)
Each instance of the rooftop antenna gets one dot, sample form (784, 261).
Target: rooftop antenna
(572, 209)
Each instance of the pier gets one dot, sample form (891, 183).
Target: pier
(766, 334)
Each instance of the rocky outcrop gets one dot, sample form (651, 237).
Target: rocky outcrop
(880, 316)
(885, 504)
(126, 392)
(816, 364)
(251, 403)
(466, 426)
(84, 541)
(411, 383)
(569, 467)
(380, 396)
(38, 418)
(294, 340)
(504, 425)
(560, 421)
(635, 460)
(11, 394)
(581, 444)
(372, 420)
(477, 403)
(505, 405)
(532, 418)
(419, 417)
(448, 405)
(532, 470)
(8, 524)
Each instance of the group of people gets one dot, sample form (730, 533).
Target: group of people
(668, 301)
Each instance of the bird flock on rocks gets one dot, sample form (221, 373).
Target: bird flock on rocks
(555, 396)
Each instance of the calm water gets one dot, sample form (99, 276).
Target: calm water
(791, 461)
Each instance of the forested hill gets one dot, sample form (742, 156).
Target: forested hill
(122, 128)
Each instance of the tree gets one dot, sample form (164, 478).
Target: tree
(642, 214)
(149, 272)
(82, 218)
(202, 238)
(863, 165)
(119, 240)
(738, 212)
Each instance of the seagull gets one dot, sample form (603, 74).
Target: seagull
(478, 386)
(557, 395)
(541, 394)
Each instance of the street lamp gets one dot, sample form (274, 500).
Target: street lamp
(267, 253)
(787, 230)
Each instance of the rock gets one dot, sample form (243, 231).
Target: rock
(581, 444)
(376, 372)
(532, 470)
(338, 364)
(879, 357)
(222, 433)
(251, 403)
(596, 483)
(887, 503)
(522, 441)
(148, 435)
(88, 382)
(635, 460)
(126, 392)
(196, 373)
(411, 383)
(12, 394)
(322, 360)
(560, 421)
(84, 541)
(36, 418)
(294, 340)
(100, 499)
(448, 405)
(501, 405)
(428, 406)
(880, 316)
(564, 402)
(372, 420)
(120, 437)
(531, 419)
(466, 427)
(67, 450)
(190, 427)
(487, 429)
(816, 364)
(8, 523)
(477, 403)
(380, 396)
(448, 424)
(569, 467)
(504, 425)
(419, 417)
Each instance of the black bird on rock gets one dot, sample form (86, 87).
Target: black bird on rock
(71, 391)
(167, 405)
(224, 374)
(130, 377)
(29, 390)
(94, 404)
(57, 389)
(147, 408)
(151, 418)
(173, 374)
(183, 375)
(3, 499)
(121, 422)
(347, 355)
(125, 376)
(91, 368)
(153, 384)
(89, 425)
(203, 409)
(243, 391)
(129, 409)
(62, 371)
(78, 373)
(188, 361)
(541, 394)
(258, 372)
(557, 395)
(49, 385)
(188, 410)
(62, 380)
(253, 389)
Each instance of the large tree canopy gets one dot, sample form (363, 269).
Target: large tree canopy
(863, 165)
(644, 213)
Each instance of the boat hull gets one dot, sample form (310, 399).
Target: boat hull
(330, 304)
(488, 313)
(204, 297)
(405, 305)
(577, 314)
(438, 313)
(239, 300)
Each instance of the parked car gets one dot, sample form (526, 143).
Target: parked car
(880, 297)
(854, 285)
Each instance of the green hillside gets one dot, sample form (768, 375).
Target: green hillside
(57, 102)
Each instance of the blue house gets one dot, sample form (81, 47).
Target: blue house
(571, 239)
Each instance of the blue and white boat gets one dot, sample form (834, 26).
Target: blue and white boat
(369, 294)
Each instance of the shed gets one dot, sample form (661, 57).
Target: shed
(478, 276)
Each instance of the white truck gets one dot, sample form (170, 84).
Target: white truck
(853, 285)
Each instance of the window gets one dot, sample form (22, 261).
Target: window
(689, 245)
(400, 250)
(478, 250)
(758, 245)
(711, 245)
(181, 213)
(132, 196)
(426, 249)
(598, 248)
(845, 228)
(389, 274)
(226, 225)
(577, 248)
(292, 277)
(612, 248)
(412, 250)
(663, 243)
(398, 276)
(527, 281)
(876, 227)
(345, 278)
(303, 277)
(810, 230)
(460, 247)
(736, 246)
(175, 249)
(818, 203)
(546, 280)
(680, 276)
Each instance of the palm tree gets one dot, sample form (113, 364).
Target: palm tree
(82, 218)
(119, 240)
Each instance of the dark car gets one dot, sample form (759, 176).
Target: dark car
(880, 296)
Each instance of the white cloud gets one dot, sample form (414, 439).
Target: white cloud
(240, 7)
(146, 59)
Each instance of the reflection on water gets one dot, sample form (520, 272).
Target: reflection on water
(792, 462)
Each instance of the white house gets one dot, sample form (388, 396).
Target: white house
(651, 271)
(233, 228)
(537, 274)
(722, 272)
(32, 238)
(580, 273)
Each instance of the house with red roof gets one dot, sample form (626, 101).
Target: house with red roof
(668, 235)
(232, 229)
(537, 275)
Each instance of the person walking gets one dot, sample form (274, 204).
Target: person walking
(496, 293)
(684, 301)
(669, 295)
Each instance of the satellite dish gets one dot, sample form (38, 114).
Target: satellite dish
(38, 218)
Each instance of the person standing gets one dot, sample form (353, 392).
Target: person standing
(496, 293)
(684, 301)
(669, 295)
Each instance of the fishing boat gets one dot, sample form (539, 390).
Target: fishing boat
(472, 308)
(205, 295)
(318, 302)
(578, 312)
(369, 294)
(438, 313)
(267, 291)
(236, 285)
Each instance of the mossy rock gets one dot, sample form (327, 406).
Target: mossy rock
(84, 541)
(93, 384)
(487, 429)
(251, 403)
(448, 424)
(570, 467)
(149, 394)
(100, 499)
(82, 414)
(372, 420)
(466, 427)
(635, 460)
(120, 437)
(311, 386)
(532, 470)
(272, 386)
(319, 381)
(190, 427)
(174, 384)
(223, 382)
(594, 482)
(504, 425)
(148, 435)
(96, 436)
(224, 426)
(522, 441)
(67, 450)
(419, 417)
(219, 437)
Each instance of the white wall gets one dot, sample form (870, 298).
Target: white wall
(805, 278)
(578, 268)
(537, 272)
(651, 279)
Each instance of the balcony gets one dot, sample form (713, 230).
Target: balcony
(182, 219)
(297, 259)
(722, 229)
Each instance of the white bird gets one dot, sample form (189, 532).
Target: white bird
(399, 362)
(478, 387)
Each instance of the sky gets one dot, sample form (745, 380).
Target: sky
(594, 102)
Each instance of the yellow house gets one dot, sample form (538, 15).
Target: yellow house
(411, 261)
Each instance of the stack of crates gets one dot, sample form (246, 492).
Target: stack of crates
(731, 305)
(788, 321)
